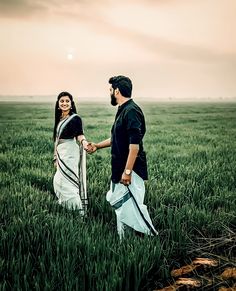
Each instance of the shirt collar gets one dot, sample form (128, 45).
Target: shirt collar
(120, 107)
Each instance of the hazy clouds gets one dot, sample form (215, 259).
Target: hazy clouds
(168, 47)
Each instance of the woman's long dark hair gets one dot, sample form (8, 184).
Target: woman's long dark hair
(58, 111)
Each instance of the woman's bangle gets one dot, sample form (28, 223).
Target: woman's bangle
(84, 139)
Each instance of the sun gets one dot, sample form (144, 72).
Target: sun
(70, 56)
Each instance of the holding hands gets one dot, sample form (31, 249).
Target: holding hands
(89, 147)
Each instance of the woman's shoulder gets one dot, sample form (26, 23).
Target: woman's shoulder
(76, 117)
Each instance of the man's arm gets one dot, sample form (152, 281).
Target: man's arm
(103, 144)
(133, 153)
(92, 147)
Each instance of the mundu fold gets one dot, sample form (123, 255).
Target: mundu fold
(128, 204)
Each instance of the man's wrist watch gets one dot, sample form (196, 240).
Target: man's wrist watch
(128, 172)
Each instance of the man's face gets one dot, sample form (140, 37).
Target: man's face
(113, 98)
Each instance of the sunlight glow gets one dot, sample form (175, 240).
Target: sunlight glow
(69, 56)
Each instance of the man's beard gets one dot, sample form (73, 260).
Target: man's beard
(113, 100)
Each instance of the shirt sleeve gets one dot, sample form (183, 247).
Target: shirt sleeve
(134, 124)
(77, 126)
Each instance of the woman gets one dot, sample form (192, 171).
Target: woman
(69, 157)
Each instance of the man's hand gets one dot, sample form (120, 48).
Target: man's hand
(125, 179)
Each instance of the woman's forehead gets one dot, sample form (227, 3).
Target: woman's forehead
(65, 98)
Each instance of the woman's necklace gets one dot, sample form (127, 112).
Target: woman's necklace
(64, 117)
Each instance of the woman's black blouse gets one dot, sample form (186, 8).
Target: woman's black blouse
(73, 128)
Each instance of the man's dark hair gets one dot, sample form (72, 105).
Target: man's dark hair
(123, 83)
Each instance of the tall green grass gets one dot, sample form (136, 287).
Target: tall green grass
(191, 192)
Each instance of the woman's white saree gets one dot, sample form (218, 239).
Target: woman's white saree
(70, 178)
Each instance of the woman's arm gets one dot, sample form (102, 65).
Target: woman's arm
(82, 140)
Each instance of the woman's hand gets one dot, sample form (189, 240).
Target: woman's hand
(85, 145)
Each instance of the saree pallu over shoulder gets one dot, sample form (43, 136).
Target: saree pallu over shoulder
(62, 124)
(70, 178)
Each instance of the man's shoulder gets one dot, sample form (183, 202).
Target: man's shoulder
(133, 108)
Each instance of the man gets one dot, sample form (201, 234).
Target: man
(128, 160)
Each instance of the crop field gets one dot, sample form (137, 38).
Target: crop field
(190, 195)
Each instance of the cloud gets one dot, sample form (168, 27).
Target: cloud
(159, 42)
(158, 46)
(21, 8)
(176, 50)
(28, 8)
(100, 19)
(91, 14)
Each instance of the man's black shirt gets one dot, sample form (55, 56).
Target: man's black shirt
(128, 128)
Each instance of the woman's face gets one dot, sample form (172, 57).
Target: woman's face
(64, 103)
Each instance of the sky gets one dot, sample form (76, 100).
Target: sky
(171, 49)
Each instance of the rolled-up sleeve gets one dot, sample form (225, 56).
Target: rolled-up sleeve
(134, 124)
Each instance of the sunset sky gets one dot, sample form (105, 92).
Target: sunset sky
(169, 48)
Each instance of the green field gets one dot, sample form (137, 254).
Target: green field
(191, 197)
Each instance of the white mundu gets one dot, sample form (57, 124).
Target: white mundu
(129, 207)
